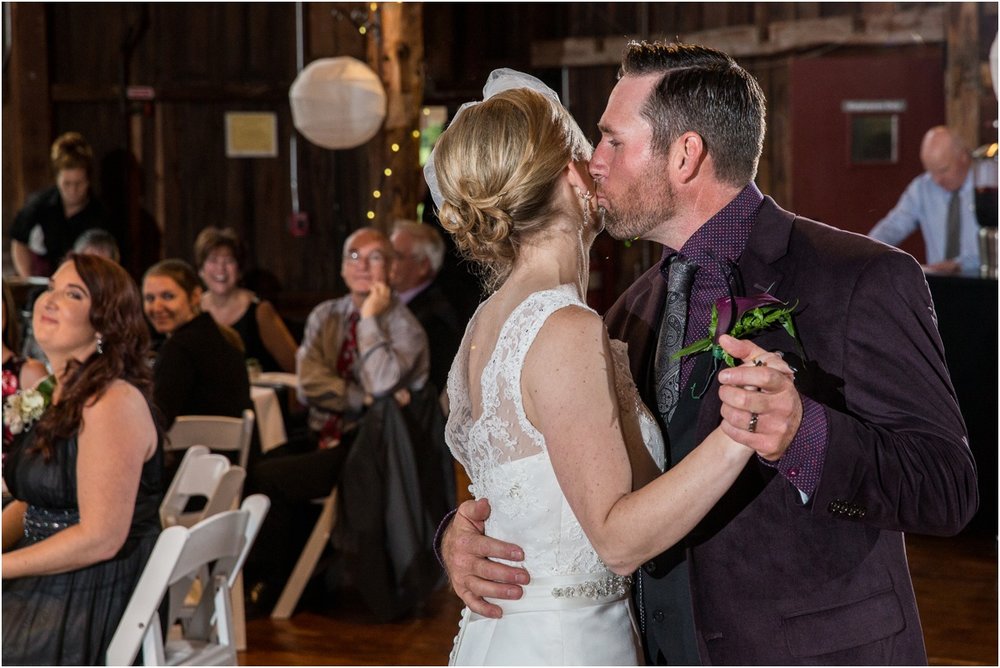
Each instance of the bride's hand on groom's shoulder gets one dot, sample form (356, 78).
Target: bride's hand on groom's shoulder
(760, 406)
(468, 554)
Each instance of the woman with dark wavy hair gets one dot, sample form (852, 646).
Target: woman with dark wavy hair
(87, 476)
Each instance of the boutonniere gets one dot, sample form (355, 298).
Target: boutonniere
(23, 408)
(742, 317)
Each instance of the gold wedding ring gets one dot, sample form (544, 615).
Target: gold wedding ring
(752, 427)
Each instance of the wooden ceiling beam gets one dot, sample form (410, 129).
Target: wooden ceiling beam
(923, 25)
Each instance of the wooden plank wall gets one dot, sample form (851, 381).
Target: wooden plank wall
(204, 59)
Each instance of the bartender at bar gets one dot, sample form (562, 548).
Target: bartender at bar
(941, 204)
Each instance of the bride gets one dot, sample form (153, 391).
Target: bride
(544, 416)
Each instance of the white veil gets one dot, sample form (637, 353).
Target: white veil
(498, 81)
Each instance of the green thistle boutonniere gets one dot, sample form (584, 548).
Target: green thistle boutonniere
(742, 317)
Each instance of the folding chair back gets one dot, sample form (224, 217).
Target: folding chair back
(217, 545)
(201, 473)
(218, 432)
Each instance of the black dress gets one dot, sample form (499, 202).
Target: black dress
(70, 618)
(253, 344)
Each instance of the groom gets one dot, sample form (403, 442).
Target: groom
(802, 561)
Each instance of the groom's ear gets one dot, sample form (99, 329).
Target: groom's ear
(690, 155)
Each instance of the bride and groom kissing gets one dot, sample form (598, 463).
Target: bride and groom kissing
(775, 534)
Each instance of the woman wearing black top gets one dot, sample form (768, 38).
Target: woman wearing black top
(219, 256)
(199, 369)
(45, 229)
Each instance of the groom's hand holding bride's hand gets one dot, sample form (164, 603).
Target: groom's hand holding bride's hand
(468, 555)
(762, 386)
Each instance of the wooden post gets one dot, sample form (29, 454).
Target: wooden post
(397, 54)
(962, 77)
(30, 109)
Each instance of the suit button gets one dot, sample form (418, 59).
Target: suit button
(658, 616)
(649, 567)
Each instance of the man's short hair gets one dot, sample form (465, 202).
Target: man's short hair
(426, 240)
(702, 90)
(96, 237)
(373, 231)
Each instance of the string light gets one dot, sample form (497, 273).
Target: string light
(394, 147)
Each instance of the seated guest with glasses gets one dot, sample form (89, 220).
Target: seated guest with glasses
(357, 348)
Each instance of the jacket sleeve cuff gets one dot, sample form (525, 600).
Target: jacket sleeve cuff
(802, 463)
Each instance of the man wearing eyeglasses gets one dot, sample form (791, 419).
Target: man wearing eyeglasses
(361, 346)
(357, 348)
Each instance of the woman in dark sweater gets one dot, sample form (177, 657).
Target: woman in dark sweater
(199, 369)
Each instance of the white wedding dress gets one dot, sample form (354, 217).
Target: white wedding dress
(575, 611)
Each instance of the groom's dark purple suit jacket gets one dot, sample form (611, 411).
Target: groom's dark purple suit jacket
(778, 581)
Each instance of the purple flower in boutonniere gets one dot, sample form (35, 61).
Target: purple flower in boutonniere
(741, 317)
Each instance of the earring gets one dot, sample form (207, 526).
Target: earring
(100, 344)
(586, 206)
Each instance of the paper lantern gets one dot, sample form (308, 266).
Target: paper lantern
(337, 102)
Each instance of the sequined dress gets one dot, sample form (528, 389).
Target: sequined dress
(575, 611)
(69, 618)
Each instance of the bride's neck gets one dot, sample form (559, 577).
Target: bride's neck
(558, 255)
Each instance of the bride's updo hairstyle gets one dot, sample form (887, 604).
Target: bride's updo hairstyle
(497, 165)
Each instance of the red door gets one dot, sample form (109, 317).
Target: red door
(856, 127)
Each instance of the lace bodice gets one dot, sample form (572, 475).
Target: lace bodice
(506, 457)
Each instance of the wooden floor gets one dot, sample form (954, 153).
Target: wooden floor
(955, 580)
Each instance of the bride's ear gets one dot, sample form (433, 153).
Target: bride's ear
(579, 178)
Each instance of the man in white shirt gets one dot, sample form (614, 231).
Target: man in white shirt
(941, 204)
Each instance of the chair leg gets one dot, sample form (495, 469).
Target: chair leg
(239, 614)
(307, 561)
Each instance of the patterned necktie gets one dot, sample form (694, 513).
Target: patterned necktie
(671, 336)
(953, 242)
(329, 435)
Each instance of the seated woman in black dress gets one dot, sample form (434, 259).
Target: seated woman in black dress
(86, 477)
(219, 256)
(199, 369)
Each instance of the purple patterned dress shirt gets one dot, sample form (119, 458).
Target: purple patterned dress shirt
(716, 248)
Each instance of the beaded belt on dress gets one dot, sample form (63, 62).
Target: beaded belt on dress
(41, 523)
(562, 592)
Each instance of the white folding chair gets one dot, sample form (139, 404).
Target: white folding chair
(213, 476)
(201, 473)
(308, 558)
(227, 434)
(219, 544)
